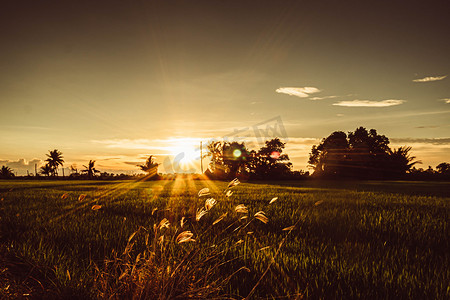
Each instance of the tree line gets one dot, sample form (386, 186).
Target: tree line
(362, 154)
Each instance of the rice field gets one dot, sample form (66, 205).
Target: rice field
(201, 239)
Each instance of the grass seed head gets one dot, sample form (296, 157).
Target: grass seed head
(209, 203)
(185, 236)
(96, 207)
(200, 213)
(204, 192)
(318, 203)
(233, 182)
(65, 196)
(81, 198)
(288, 228)
(182, 222)
(260, 215)
(241, 208)
(229, 193)
(273, 200)
(164, 224)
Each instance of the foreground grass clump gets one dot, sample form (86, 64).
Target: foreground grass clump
(122, 239)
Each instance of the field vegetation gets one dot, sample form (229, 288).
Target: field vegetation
(164, 240)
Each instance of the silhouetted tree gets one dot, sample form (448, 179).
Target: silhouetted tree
(269, 162)
(330, 157)
(443, 168)
(233, 159)
(6, 172)
(150, 167)
(360, 154)
(46, 170)
(73, 169)
(228, 159)
(54, 159)
(400, 161)
(90, 170)
(216, 166)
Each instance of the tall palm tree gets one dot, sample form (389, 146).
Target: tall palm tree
(6, 172)
(401, 161)
(46, 170)
(90, 170)
(150, 166)
(54, 159)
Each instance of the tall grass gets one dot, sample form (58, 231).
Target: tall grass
(266, 241)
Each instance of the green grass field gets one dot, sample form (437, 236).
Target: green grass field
(379, 240)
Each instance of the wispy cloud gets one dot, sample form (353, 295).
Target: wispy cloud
(130, 144)
(433, 141)
(426, 127)
(302, 92)
(322, 98)
(446, 100)
(430, 78)
(369, 103)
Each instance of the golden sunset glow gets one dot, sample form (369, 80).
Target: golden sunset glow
(185, 152)
(131, 82)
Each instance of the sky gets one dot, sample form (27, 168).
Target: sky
(117, 81)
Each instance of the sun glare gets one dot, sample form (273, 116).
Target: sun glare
(186, 151)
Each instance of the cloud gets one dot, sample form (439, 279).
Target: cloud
(21, 166)
(133, 163)
(130, 144)
(446, 100)
(432, 141)
(430, 78)
(302, 92)
(321, 98)
(425, 127)
(369, 103)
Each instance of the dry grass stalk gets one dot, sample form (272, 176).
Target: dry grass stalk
(273, 200)
(288, 228)
(220, 219)
(318, 202)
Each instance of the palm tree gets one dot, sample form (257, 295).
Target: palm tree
(73, 169)
(90, 170)
(46, 170)
(150, 166)
(54, 159)
(401, 161)
(6, 172)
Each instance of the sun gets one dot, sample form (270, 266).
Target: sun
(186, 152)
